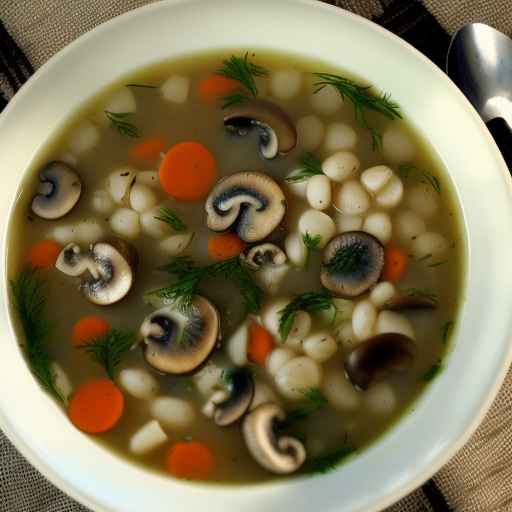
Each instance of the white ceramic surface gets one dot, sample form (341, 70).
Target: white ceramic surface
(444, 417)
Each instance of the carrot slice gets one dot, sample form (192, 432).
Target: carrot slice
(148, 151)
(88, 329)
(44, 254)
(224, 246)
(96, 406)
(260, 344)
(193, 460)
(395, 264)
(188, 171)
(216, 86)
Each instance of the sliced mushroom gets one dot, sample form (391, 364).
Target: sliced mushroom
(179, 342)
(226, 409)
(109, 269)
(412, 302)
(278, 454)
(250, 203)
(264, 254)
(375, 358)
(352, 263)
(59, 190)
(277, 133)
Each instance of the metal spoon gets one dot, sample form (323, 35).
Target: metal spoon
(479, 61)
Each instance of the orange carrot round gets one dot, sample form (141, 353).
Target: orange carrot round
(188, 171)
(216, 86)
(44, 254)
(148, 151)
(88, 329)
(395, 264)
(224, 246)
(192, 460)
(96, 406)
(260, 344)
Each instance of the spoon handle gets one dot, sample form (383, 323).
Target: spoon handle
(502, 135)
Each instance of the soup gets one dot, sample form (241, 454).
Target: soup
(230, 268)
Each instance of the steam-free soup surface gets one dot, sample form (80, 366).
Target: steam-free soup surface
(422, 242)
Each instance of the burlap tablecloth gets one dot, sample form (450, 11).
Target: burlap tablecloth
(479, 478)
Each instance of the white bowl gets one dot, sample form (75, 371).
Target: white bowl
(444, 417)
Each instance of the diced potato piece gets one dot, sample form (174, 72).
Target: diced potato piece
(363, 319)
(101, 202)
(348, 222)
(397, 146)
(119, 183)
(83, 138)
(138, 382)
(61, 380)
(429, 244)
(341, 166)
(285, 83)
(317, 223)
(391, 195)
(172, 412)
(175, 89)
(318, 192)
(120, 102)
(125, 222)
(327, 100)
(89, 231)
(142, 198)
(236, 346)
(310, 132)
(278, 358)
(297, 376)
(379, 225)
(63, 234)
(376, 178)
(295, 249)
(408, 226)
(320, 346)
(382, 293)
(148, 438)
(339, 136)
(351, 198)
(148, 178)
(176, 244)
(152, 226)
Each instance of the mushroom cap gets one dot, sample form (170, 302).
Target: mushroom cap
(249, 202)
(364, 258)
(264, 254)
(179, 342)
(59, 191)
(241, 392)
(278, 454)
(410, 302)
(277, 133)
(375, 358)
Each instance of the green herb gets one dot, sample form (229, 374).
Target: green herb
(311, 243)
(417, 292)
(169, 216)
(315, 401)
(108, 349)
(234, 99)
(446, 331)
(309, 301)
(328, 462)
(432, 372)
(348, 259)
(120, 122)
(189, 277)
(29, 301)
(310, 165)
(142, 86)
(437, 263)
(408, 170)
(363, 100)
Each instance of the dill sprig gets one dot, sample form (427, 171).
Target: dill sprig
(315, 401)
(29, 301)
(243, 71)
(328, 462)
(418, 292)
(169, 216)
(311, 243)
(142, 86)
(408, 170)
(310, 302)
(120, 122)
(309, 166)
(446, 331)
(363, 100)
(432, 372)
(108, 349)
(348, 259)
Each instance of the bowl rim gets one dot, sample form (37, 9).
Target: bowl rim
(446, 453)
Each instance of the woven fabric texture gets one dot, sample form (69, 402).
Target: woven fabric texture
(479, 478)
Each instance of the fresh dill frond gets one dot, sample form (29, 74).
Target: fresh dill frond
(432, 372)
(107, 350)
(446, 331)
(408, 170)
(309, 165)
(234, 99)
(119, 121)
(29, 301)
(169, 216)
(243, 71)
(348, 259)
(142, 86)
(315, 401)
(419, 292)
(329, 462)
(311, 243)
(363, 100)
(310, 302)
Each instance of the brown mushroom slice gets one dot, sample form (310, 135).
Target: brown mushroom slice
(250, 203)
(59, 191)
(278, 453)
(411, 302)
(375, 358)
(178, 342)
(264, 254)
(108, 269)
(352, 263)
(277, 133)
(227, 409)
